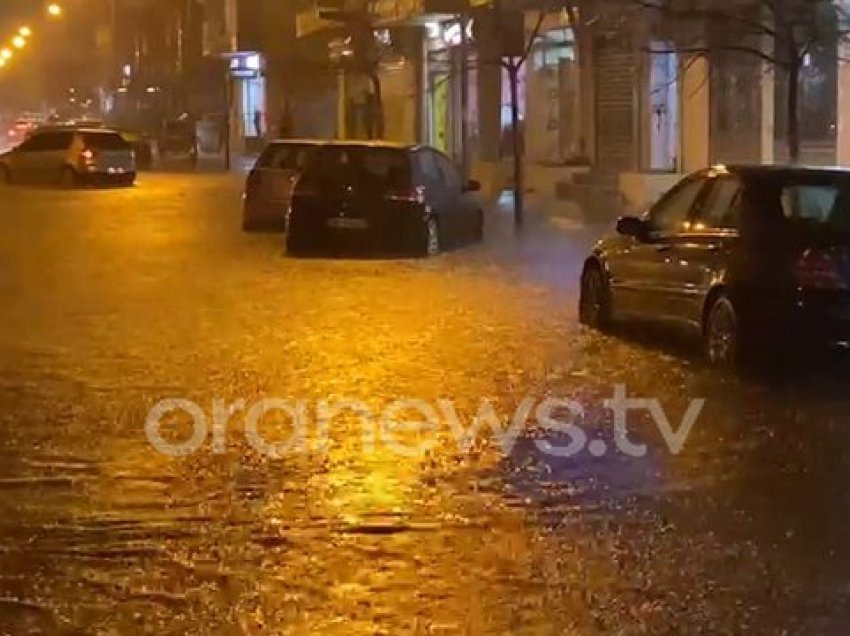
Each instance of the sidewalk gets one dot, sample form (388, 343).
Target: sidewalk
(550, 247)
(564, 215)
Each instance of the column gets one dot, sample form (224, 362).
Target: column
(842, 141)
(768, 113)
(696, 114)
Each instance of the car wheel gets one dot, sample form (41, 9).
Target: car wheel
(721, 333)
(432, 236)
(478, 231)
(69, 178)
(595, 299)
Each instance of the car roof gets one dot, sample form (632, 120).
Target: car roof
(98, 131)
(754, 170)
(298, 142)
(347, 143)
(354, 143)
(72, 128)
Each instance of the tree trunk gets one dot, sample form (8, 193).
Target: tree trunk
(794, 111)
(377, 106)
(517, 146)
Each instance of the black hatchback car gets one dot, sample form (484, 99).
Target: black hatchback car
(379, 196)
(752, 258)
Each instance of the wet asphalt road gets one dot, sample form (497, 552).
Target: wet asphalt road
(113, 300)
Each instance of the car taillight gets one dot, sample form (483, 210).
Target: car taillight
(87, 155)
(821, 269)
(414, 195)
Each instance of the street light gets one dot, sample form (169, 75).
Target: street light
(2, 62)
(19, 42)
(5, 54)
(54, 10)
(25, 31)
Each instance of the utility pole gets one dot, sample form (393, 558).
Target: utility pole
(228, 110)
(464, 97)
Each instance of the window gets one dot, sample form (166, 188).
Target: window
(57, 141)
(674, 207)
(804, 198)
(448, 173)
(722, 208)
(104, 141)
(810, 202)
(429, 171)
(285, 157)
(360, 165)
(38, 143)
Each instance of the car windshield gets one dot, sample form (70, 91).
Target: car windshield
(104, 141)
(286, 156)
(380, 168)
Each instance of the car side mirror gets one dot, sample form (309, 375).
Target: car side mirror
(472, 186)
(632, 226)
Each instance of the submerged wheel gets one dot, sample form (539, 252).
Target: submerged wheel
(69, 178)
(721, 333)
(478, 233)
(432, 236)
(595, 299)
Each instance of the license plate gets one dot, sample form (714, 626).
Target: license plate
(348, 224)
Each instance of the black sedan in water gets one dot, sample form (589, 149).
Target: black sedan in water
(752, 258)
(382, 197)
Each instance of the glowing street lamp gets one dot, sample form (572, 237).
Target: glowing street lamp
(25, 31)
(19, 42)
(5, 54)
(2, 62)
(54, 10)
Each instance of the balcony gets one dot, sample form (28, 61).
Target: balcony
(385, 12)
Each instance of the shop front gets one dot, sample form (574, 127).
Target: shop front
(248, 105)
(445, 98)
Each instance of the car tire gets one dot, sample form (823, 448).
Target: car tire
(295, 246)
(478, 231)
(594, 307)
(431, 243)
(722, 342)
(69, 178)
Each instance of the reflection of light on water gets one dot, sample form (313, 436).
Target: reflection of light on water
(380, 484)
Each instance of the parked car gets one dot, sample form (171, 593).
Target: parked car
(142, 146)
(269, 186)
(750, 258)
(382, 196)
(19, 130)
(70, 156)
(179, 138)
(141, 143)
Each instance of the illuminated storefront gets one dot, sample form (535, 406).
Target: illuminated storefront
(249, 94)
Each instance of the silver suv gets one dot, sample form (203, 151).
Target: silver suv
(70, 157)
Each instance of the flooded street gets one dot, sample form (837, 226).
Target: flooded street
(114, 300)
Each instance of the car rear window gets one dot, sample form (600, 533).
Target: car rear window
(809, 199)
(105, 141)
(360, 165)
(286, 156)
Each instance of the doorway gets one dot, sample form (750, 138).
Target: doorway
(663, 108)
